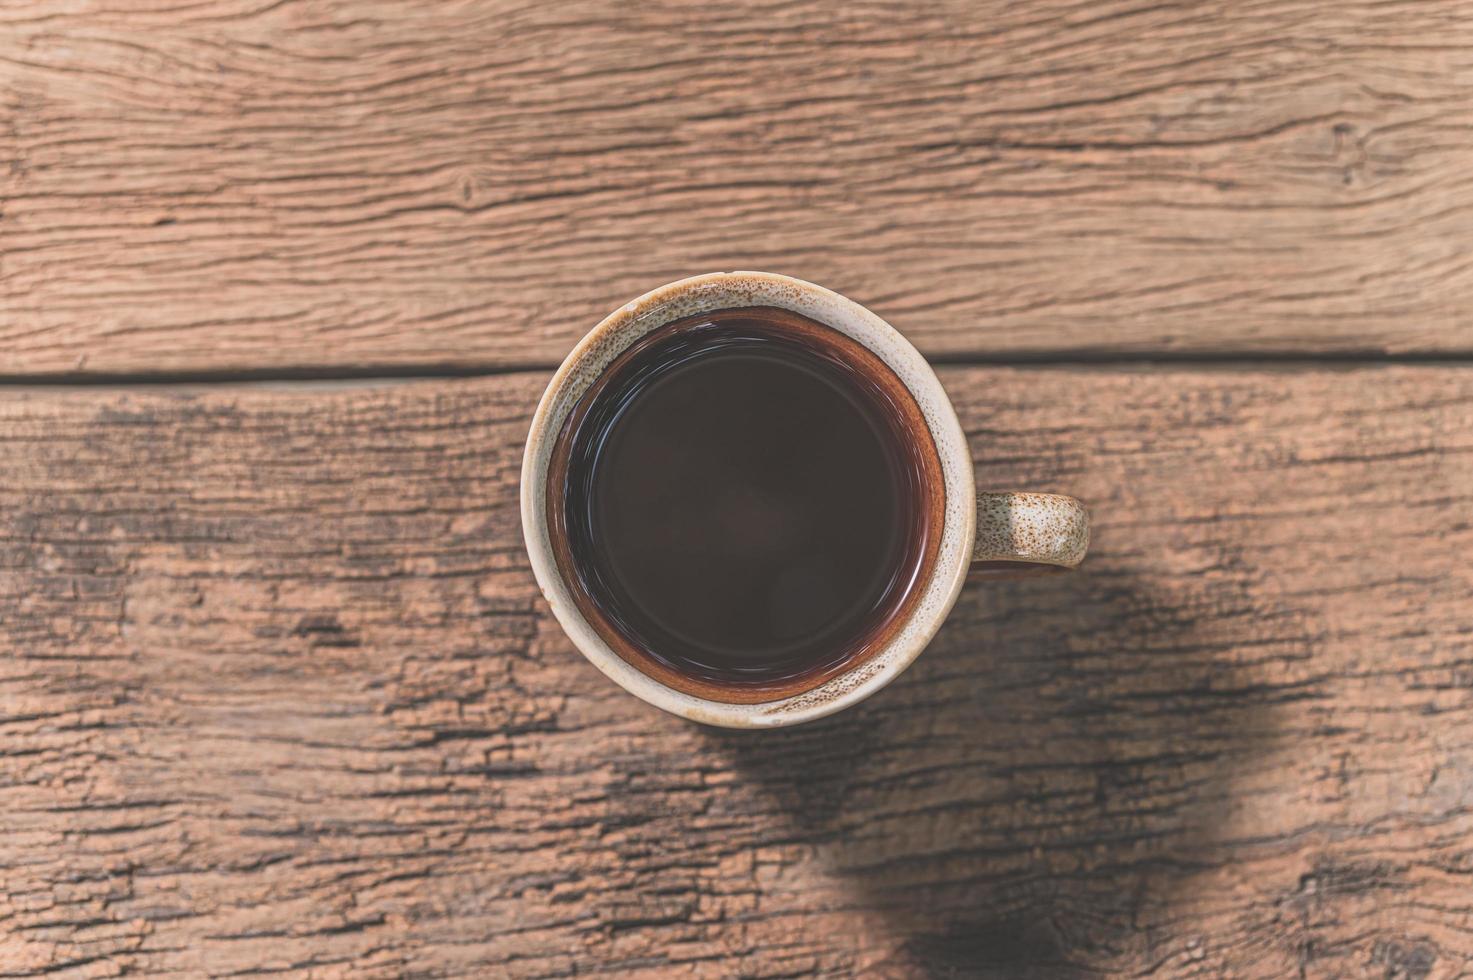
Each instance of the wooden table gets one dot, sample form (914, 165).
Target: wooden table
(280, 283)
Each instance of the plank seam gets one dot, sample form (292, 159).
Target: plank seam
(432, 371)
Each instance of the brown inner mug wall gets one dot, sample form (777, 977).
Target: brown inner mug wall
(911, 430)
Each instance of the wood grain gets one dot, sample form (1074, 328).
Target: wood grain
(279, 696)
(358, 185)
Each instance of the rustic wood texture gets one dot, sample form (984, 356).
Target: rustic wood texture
(279, 696)
(355, 185)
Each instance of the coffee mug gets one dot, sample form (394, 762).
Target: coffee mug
(966, 533)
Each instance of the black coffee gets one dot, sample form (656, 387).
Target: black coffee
(742, 501)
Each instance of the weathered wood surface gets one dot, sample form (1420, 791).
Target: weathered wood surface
(357, 185)
(278, 695)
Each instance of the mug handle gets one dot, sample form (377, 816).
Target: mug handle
(1024, 534)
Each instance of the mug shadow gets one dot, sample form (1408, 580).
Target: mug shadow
(1041, 782)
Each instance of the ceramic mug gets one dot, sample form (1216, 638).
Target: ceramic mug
(987, 534)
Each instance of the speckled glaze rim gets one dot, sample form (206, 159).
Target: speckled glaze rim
(724, 290)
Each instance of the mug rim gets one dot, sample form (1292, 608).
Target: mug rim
(726, 290)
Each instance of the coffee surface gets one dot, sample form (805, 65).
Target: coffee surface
(740, 500)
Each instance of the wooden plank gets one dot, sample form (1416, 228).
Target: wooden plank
(244, 186)
(279, 694)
